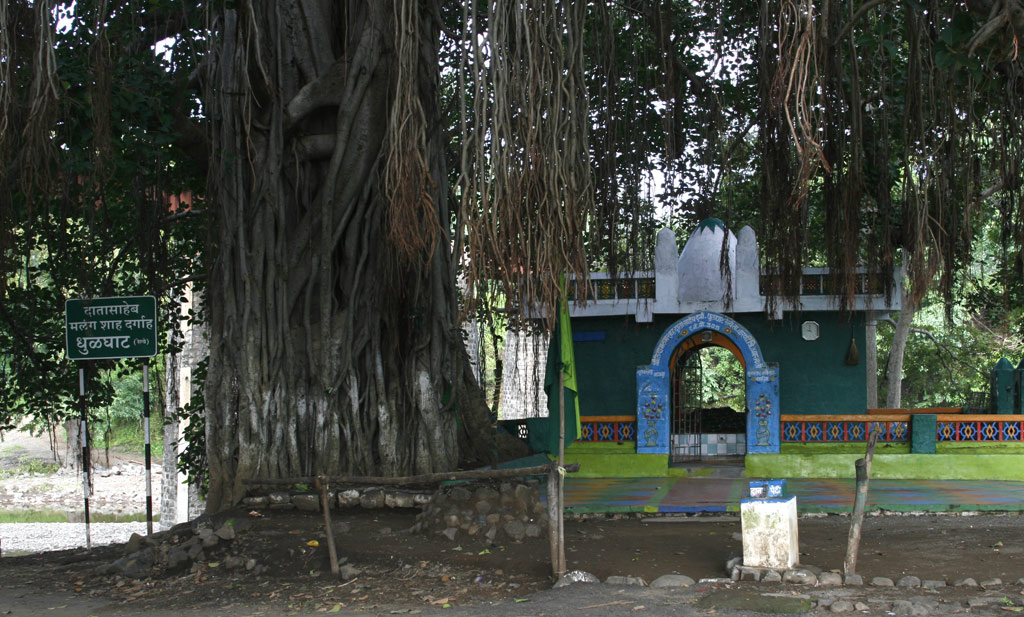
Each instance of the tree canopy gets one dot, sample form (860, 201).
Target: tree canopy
(365, 173)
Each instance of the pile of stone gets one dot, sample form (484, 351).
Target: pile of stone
(491, 512)
(368, 497)
(813, 576)
(180, 548)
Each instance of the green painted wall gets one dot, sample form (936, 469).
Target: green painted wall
(814, 378)
(813, 375)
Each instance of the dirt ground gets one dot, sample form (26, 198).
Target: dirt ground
(397, 567)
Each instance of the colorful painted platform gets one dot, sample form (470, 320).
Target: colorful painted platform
(692, 495)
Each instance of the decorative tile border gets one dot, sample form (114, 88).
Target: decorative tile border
(896, 428)
(607, 428)
(842, 431)
(966, 428)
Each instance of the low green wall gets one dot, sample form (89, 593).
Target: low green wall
(941, 447)
(615, 460)
(843, 448)
(889, 466)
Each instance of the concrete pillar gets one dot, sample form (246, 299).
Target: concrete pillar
(923, 427)
(181, 480)
(1018, 388)
(1001, 387)
(770, 535)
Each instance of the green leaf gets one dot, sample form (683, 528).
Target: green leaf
(944, 58)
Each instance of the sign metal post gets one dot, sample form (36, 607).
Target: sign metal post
(84, 441)
(145, 422)
(108, 329)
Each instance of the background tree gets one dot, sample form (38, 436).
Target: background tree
(92, 148)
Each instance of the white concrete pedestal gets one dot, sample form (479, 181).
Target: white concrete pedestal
(770, 538)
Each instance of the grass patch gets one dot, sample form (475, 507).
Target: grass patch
(31, 466)
(127, 436)
(64, 516)
(33, 516)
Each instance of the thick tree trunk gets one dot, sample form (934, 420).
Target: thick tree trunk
(894, 370)
(330, 353)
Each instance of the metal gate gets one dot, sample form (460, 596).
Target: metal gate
(687, 376)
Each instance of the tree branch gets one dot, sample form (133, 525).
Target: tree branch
(938, 345)
(180, 215)
(324, 90)
(861, 12)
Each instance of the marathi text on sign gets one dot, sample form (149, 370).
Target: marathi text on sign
(106, 328)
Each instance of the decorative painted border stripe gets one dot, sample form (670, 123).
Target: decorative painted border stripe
(608, 428)
(843, 431)
(896, 428)
(970, 428)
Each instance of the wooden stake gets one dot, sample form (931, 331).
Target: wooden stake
(560, 478)
(321, 483)
(860, 500)
(553, 507)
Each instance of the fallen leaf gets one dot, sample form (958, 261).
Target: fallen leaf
(335, 609)
(313, 543)
(440, 602)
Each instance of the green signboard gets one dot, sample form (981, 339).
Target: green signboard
(104, 328)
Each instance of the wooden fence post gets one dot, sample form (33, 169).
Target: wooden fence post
(863, 466)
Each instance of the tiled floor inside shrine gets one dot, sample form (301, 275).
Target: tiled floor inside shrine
(669, 495)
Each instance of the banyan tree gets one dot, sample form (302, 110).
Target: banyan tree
(377, 170)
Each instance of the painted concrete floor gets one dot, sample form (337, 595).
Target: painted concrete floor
(691, 495)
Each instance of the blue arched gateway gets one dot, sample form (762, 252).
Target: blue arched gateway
(653, 407)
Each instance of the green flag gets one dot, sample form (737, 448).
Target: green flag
(568, 358)
(544, 431)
